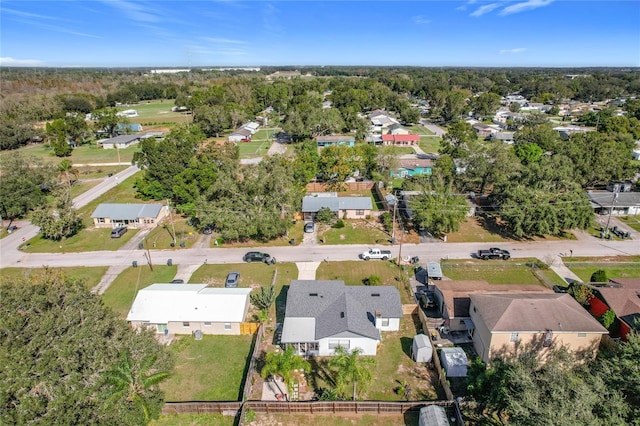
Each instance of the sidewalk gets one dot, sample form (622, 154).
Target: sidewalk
(563, 272)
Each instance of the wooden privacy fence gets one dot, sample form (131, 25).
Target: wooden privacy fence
(436, 360)
(336, 407)
(230, 408)
(352, 186)
(248, 382)
(249, 327)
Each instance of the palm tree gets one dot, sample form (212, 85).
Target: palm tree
(351, 368)
(282, 364)
(134, 384)
(66, 170)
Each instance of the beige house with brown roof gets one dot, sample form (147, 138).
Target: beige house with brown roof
(452, 299)
(507, 323)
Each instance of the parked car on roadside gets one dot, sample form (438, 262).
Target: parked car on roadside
(177, 281)
(257, 256)
(11, 228)
(232, 279)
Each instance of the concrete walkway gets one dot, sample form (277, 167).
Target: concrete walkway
(108, 277)
(563, 272)
(307, 270)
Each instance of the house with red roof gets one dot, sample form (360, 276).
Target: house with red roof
(622, 296)
(400, 140)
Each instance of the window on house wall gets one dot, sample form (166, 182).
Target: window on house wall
(514, 337)
(359, 212)
(185, 324)
(335, 343)
(385, 322)
(207, 324)
(582, 334)
(227, 326)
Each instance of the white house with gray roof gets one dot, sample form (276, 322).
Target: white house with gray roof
(136, 215)
(322, 315)
(343, 207)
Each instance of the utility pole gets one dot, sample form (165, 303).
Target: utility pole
(613, 203)
(393, 222)
(148, 254)
(172, 226)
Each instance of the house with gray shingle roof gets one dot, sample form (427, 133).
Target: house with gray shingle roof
(136, 215)
(343, 207)
(322, 315)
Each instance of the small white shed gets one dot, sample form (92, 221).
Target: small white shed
(454, 361)
(422, 351)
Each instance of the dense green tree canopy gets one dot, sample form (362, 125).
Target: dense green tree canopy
(60, 220)
(57, 342)
(24, 182)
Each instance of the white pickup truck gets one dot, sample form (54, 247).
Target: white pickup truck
(376, 254)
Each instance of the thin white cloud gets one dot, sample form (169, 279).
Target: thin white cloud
(524, 6)
(7, 61)
(136, 11)
(512, 51)
(57, 28)
(485, 9)
(219, 40)
(421, 20)
(30, 15)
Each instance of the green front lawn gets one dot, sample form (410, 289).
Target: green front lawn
(417, 129)
(122, 291)
(401, 150)
(88, 153)
(632, 221)
(354, 232)
(354, 272)
(161, 237)
(89, 239)
(251, 274)
(615, 267)
(90, 275)
(211, 369)
(493, 271)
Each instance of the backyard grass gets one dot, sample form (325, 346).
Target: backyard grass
(211, 369)
(615, 267)
(89, 239)
(120, 294)
(90, 275)
(354, 232)
(88, 153)
(393, 365)
(161, 237)
(193, 420)
(264, 134)
(493, 271)
(253, 149)
(430, 144)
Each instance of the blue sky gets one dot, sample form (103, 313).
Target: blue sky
(131, 33)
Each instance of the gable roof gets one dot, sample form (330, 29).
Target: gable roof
(534, 313)
(414, 163)
(241, 132)
(162, 303)
(330, 308)
(622, 300)
(605, 199)
(127, 211)
(312, 204)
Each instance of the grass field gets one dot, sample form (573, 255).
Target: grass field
(156, 112)
(84, 154)
(354, 232)
(354, 272)
(420, 130)
(90, 275)
(90, 239)
(401, 150)
(632, 221)
(161, 237)
(615, 267)
(495, 272)
(211, 369)
(295, 232)
(253, 149)
(122, 291)
(194, 420)
(430, 144)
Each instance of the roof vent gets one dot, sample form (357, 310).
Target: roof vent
(375, 294)
(313, 294)
(341, 314)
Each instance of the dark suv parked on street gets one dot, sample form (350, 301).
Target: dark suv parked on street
(256, 256)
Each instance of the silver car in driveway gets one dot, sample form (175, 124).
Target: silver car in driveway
(232, 279)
